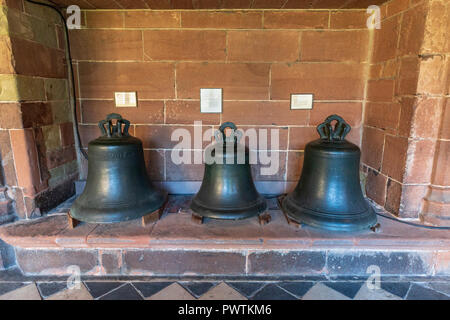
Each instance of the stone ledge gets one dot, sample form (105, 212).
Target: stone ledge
(175, 230)
(175, 246)
(7, 256)
(251, 263)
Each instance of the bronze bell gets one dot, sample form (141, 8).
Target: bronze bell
(328, 194)
(117, 188)
(227, 190)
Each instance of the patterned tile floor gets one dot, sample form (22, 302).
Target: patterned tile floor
(225, 290)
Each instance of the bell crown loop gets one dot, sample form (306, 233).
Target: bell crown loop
(336, 133)
(235, 135)
(110, 130)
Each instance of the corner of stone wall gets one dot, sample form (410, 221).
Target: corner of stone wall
(404, 104)
(37, 147)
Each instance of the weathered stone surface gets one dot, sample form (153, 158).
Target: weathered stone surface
(52, 137)
(443, 263)
(376, 186)
(39, 233)
(26, 161)
(34, 59)
(286, 263)
(57, 262)
(212, 233)
(184, 262)
(62, 111)
(390, 263)
(75, 238)
(56, 89)
(175, 246)
(36, 114)
(32, 28)
(11, 116)
(110, 261)
(128, 234)
(17, 88)
(53, 197)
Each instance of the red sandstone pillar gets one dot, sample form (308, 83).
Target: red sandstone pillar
(436, 206)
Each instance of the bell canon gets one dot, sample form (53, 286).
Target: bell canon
(328, 194)
(227, 190)
(117, 187)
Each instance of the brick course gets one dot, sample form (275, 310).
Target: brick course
(46, 246)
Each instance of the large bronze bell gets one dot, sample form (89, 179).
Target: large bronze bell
(117, 187)
(328, 194)
(227, 190)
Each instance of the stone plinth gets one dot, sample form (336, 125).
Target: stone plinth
(175, 246)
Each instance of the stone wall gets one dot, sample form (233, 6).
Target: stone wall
(434, 83)
(258, 57)
(36, 134)
(405, 98)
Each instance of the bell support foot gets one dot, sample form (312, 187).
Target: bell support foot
(290, 222)
(293, 223)
(73, 223)
(376, 228)
(152, 217)
(264, 218)
(197, 218)
(155, 215)
(280, 200)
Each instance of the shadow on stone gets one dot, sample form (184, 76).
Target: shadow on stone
(7, 256)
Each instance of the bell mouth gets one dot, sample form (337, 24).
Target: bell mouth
(114, 213)
(344, 221)
(229, 213)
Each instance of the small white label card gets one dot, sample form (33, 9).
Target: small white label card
(302, 101)
(125, 99)
(211, 100)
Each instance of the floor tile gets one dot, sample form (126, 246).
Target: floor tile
(98, 289)
(418, 292)
(298, 289)
(246, 288)
(323, 292)
(222, 292)
(29, 292)
(49, 288)
(273, 292)
(126, 292)
(6, 287)
(172, 292)
(348, 288)
(197, 288)
(442, 287)
(396, 288)
(365, 293)
(80, 293)
(147, 289)
(13, 274)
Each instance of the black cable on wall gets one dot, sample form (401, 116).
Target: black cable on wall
(69, 61)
